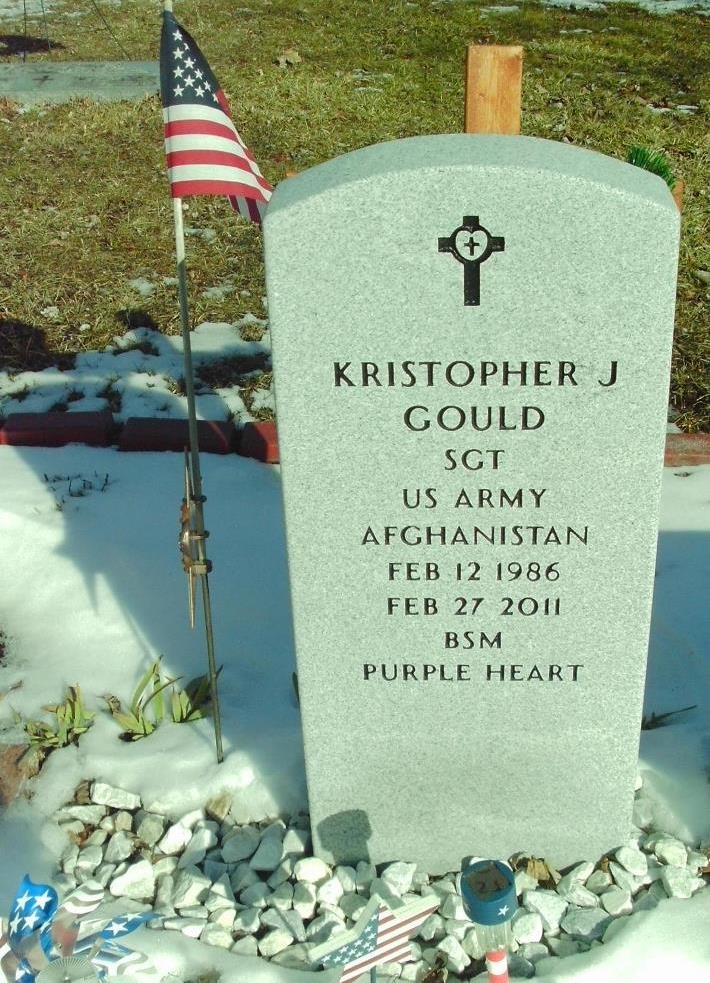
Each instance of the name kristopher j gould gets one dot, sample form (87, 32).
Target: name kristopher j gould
(461, 374)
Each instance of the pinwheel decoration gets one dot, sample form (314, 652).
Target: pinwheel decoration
(41, 931)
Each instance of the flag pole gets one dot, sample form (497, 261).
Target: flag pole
(202, 566)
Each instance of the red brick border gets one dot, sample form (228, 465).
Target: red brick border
(686, 449)
(55, 429)
(260, 440)
(149, 434)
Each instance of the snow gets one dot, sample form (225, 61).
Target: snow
(78, 603)
(143, 367)
(670, 943)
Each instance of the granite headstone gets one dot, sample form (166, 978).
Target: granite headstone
(472, 342)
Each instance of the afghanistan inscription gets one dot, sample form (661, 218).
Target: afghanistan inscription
(471, 489)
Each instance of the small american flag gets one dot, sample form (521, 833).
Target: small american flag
(380, 936)
(205, 154)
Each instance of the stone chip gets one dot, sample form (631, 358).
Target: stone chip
(304, 899)
(246, 946)
(149, 827)
(585, 924)
(118, 798)
(527, 926)
(398, 876)
(632, 860)
(268, 854)
(247, 921)
(137, 883)
(240, 845)
(274, 941)
(218, 806)
(671, 851)
(679, 882)
(175, 840)
(120, 847)
(216, 935)
(548, 904)
(330, 891)
(312, 870)
(616, 901)
(191, 887)
(456, 958)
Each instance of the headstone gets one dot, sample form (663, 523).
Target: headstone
(472, 342)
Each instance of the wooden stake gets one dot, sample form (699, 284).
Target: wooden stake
(493, 89)
(677, 193)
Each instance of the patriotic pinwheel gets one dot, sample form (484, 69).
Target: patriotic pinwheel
(40, 931)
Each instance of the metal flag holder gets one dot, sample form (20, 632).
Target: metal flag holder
(192, 524)
(189, 538)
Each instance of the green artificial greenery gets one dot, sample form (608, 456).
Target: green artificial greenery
(654, 161)
(72, 720)
(148, 706)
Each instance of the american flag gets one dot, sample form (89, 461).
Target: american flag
(380, 936)
(205, 154)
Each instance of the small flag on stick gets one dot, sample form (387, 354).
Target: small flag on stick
(380, 936)
(205, 154)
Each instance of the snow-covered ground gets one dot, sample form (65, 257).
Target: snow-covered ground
(92, 590)
(138, 374)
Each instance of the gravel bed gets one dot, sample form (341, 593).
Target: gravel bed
(257, 890)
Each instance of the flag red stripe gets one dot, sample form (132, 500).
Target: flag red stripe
(183, 189)
(390, 919)
(222, 99)
(203, 127)
(497, 966)
(178, 157)
(251, 206)
(353, 970)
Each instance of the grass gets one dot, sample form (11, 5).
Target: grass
(83, 190)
